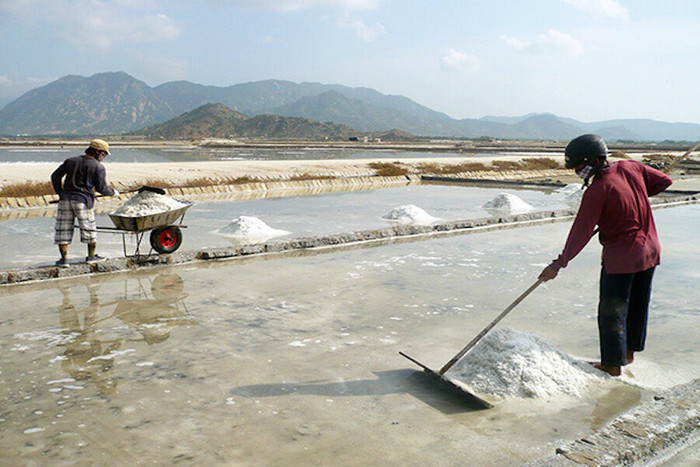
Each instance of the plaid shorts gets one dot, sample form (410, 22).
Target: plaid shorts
(68, 211)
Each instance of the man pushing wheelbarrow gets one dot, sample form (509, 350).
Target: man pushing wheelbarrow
(75, 182)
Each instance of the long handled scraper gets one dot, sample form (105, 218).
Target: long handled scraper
(458, 386)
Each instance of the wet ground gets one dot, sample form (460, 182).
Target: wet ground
(295, 359)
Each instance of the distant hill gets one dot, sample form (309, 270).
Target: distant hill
(115, 103)
(218, 121)
(207, 121)
(333, 106)
(275, 126)
(75, 105)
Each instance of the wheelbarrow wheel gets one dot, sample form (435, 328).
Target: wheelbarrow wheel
(166, 239)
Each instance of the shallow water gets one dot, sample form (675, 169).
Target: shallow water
(294, 359)
(307, 215)
(25, 155)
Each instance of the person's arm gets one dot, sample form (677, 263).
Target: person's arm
(656, 181)
(100, 182)
(57, 178)
(580, 233)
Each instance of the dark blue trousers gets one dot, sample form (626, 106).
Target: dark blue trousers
(623, 308)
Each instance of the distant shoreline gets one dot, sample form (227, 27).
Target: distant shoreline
(428, 145)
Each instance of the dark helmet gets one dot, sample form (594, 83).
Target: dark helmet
(585, 149)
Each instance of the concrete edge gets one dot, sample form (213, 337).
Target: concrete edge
(672, 417)
(32, 274)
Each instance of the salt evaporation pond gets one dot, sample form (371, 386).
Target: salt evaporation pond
(294, 360)
(300, 215)
(56, 155)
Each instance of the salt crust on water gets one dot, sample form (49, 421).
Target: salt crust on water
(147, 203)
(507, 203)
(251, 228)
(510, 363)
(409, 214)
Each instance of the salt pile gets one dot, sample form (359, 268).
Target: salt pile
(505, 203)
(409, 214)
(147, 203)
(251, 229)
(510, 363)
(572, 194)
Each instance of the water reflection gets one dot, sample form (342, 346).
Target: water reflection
(90, 356)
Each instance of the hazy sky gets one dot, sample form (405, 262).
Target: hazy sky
(585, 59)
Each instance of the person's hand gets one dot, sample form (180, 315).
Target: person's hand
(116, 192)
(549, 273)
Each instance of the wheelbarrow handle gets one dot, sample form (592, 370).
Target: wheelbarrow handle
(152, 189)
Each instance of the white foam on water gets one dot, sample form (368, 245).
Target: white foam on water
(409, 214)
(252, 229)
(147, 203)
(510, 363)
(506, 203)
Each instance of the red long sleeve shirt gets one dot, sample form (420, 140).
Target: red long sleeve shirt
(618, 203)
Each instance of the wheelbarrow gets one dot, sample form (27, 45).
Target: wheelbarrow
(165, 229)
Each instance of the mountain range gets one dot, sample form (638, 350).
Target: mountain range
(116, 103)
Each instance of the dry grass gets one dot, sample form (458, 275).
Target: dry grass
(535, 163)
(307, 176)
(21, 190)
(507, 165)
(434, 168)
(540, 163)
(388, 169)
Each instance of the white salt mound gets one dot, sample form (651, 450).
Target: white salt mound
(572, 194)
(409, 214)
(573, 198)
(147, 203)
(250, 228)
(508, 204)
(510, 363)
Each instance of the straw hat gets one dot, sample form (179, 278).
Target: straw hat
(100, 145)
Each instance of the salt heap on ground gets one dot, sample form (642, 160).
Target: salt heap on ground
(249, 229)
(572, 194)
(510, 363)
(409, 214)
(147, 203)
(505, 203)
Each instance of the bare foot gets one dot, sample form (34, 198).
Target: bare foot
(630, 356)
(611, 370)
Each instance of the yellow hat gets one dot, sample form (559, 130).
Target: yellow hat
(100, 145)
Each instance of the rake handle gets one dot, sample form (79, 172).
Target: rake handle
(473, 342)
(680, 159)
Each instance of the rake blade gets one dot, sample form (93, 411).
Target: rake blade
(455, 387)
